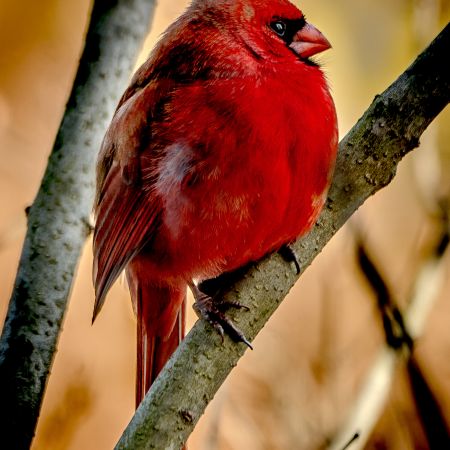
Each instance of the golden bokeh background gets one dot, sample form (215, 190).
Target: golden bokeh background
(294, 390)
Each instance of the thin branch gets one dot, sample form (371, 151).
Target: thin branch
(58, 221)
(394, 326)
(374, 392)
(367, 161)
(430, 410)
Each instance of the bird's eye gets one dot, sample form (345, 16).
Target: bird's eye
(287, 28)
(279, 27)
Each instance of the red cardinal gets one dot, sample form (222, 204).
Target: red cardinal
(220, 151)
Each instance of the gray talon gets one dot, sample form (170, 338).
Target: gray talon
(213, 312)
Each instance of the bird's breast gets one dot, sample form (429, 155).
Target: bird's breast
(249, 172)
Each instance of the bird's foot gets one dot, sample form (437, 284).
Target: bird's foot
(213, 311)
(288, 254)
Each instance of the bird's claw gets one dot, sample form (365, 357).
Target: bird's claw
(213, 312)
(288, 254)
(223, 306)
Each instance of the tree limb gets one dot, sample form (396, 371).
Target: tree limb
(58, 220)
(367, 161)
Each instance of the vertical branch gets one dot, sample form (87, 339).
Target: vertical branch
(58, 220)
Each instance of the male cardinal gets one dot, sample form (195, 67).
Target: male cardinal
(220, 151)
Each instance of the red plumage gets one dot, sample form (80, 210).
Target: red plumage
(220, 151)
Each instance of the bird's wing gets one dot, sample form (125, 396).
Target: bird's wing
(126, 220)
(127, 210)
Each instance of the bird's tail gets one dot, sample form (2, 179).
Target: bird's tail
(160, 311)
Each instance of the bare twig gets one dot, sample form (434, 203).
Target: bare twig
(59, 217)
(429, 410)
(394, 326)
(367, 161)
(399, 348)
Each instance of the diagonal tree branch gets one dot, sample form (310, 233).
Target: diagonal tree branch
(367, 161)
(58, 220)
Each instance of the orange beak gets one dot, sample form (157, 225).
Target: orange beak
(309, 41)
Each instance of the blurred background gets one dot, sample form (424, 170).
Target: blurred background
(324, 351)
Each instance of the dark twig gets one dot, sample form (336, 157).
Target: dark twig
(428, 407)
(370, 402)
(394, 326)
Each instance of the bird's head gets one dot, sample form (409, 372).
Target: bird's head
(280, 28)
(266, 27)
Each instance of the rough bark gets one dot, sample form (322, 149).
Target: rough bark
(367, 161)
(58, 220)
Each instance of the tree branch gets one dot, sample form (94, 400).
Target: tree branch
(367, 161)
(58, 220)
